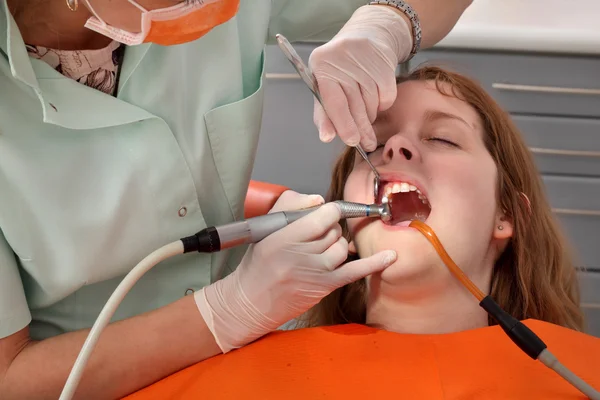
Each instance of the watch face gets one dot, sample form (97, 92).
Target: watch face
(299, 65)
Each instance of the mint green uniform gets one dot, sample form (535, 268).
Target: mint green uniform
(90, 184)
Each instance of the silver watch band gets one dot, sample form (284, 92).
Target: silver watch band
(414, 21)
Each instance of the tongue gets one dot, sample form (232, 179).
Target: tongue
(406, 207)
(403, 223)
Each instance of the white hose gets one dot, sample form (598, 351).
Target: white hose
(109, 309)
(550, 361)
(175, 248)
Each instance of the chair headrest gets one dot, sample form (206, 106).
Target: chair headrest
(261, 197)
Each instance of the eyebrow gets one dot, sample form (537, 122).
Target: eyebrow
(434, 115)
(380, 125)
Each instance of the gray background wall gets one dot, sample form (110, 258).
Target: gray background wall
(553, 99)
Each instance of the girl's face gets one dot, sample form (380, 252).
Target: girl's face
(432, 152)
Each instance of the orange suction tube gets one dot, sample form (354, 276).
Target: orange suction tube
(518, 332)
(456, 271)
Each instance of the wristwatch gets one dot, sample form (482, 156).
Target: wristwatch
(412, 16)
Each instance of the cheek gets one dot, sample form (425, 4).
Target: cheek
(358, 189)
(483, 184)
(472, 186)
(469, 209)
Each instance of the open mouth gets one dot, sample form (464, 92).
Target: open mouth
(405, 200)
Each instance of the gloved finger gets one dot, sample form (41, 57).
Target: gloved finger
(370, 95)
(321, 244)
(323, 123)
(312, 226)
(388, 90)
(358, 110)
(335, 255)
(358, 269)
(338, 111)
(291, 200)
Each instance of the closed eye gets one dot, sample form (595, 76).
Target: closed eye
(444, 141)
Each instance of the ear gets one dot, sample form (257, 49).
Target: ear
(352, 251)
(352, 248)
(503, 227)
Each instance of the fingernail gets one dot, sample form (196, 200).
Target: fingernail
(353, 142)
(327, 136)
(370, 145)
(316, 199)
(389, 257)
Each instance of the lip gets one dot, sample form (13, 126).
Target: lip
(401, 177)
(396, 228)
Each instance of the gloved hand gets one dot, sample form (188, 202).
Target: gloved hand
(284, 275)
(355, 74)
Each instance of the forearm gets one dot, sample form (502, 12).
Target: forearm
(130, 354)
(437, 18)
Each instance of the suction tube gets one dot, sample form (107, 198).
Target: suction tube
(518, 332)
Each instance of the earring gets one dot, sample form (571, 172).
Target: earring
(73, 4)
(500, 227)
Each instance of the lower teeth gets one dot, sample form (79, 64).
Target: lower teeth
(406, 207)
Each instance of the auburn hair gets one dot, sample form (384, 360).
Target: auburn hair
(534, 277)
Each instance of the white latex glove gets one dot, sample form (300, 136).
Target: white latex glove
(284, 275)
(355, 74)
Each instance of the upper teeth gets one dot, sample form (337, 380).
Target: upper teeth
(401, 187)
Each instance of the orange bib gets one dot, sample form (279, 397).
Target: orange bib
(359, 362)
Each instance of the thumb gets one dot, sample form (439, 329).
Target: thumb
(324, 125)
(355, 270)
(388, 90)
(291, 200)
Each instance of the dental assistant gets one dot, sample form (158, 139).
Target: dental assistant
(125, 125)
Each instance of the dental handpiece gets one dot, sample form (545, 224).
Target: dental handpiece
(253, 230)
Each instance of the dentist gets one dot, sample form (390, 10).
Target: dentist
(125, 125)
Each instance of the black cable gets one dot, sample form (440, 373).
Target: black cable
(518, 332)
(205, 241)
(533, 346)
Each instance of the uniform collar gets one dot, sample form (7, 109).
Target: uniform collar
(12, 45)
(64, 101)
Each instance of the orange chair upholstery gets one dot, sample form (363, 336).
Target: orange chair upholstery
(261, 197)
(345, 362)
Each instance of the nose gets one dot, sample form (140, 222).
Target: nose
(400, 148)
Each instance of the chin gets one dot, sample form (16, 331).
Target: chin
(417, 259)
(417, 269)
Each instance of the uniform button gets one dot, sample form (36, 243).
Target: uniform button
(189, 291)
(182, 212)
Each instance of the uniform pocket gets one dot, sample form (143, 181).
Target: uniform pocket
(233, 131)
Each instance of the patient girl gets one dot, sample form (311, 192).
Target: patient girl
(450, 157)
(461, 167)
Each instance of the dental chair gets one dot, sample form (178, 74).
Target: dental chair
(329, 362)
(261, 197)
